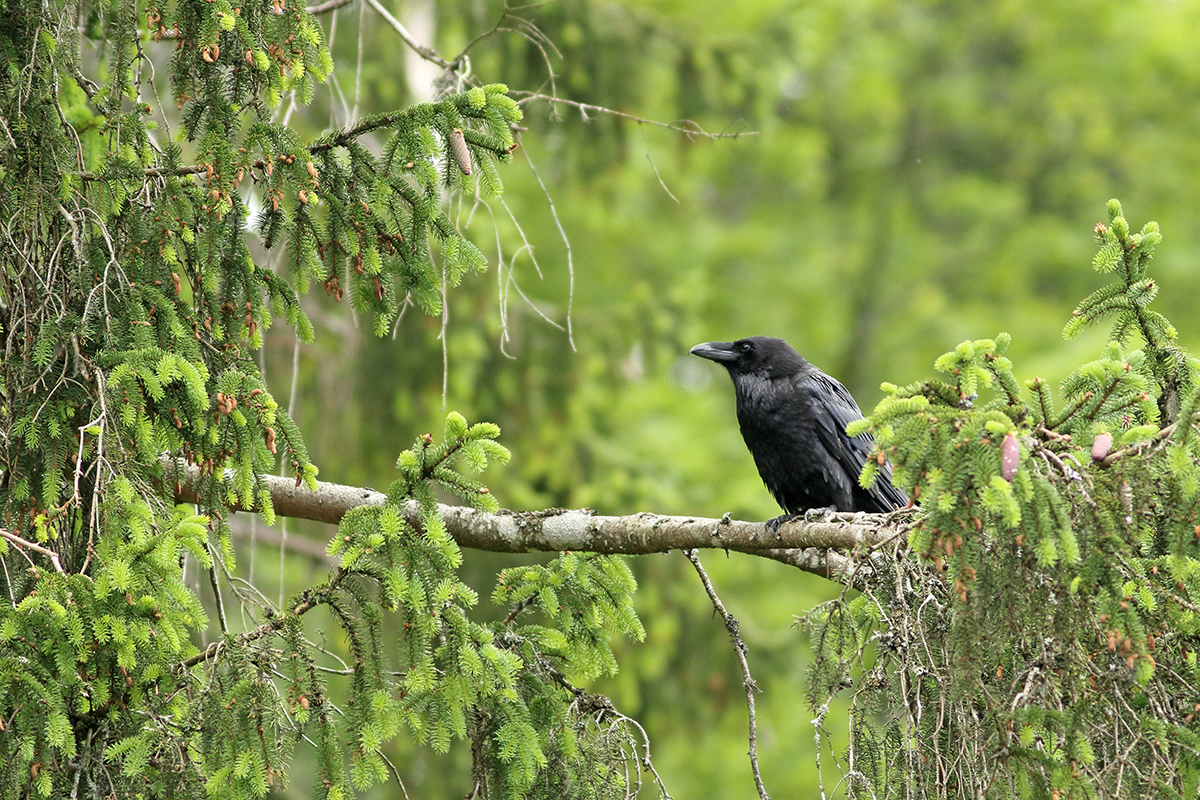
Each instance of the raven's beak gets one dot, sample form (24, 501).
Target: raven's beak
(721, 352)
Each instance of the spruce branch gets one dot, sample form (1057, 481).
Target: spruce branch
(1133, 449)
(329, 141)
(152, 172)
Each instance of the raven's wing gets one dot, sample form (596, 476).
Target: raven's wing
(833, 408)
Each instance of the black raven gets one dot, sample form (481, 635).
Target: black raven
(793, 418)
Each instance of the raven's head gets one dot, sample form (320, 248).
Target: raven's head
(755, 355)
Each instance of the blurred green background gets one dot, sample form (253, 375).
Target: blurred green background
(911, 174)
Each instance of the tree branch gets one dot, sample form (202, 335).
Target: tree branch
(805, 545)
(329, 5)
(797, 542)
(688, 127)
(739, 647)
(34, 546)
(424, 52)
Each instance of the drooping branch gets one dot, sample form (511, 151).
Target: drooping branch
(805, 545)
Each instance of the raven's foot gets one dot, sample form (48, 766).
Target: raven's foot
(773, 524)
(811, 515)
(820, 514)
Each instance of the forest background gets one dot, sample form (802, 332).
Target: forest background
(905, 176)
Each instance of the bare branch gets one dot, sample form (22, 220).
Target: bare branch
(566, 242)
(686, 127)
(329, 5)
(661, 182)
(739, 647)
(309, 599)
(25, 544)
(424, 52)
(799, 543)
(565, 529)
(212, 579)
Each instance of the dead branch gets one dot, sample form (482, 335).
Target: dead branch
(797, 542)
(689, 128)
(739, 647)
(25, 544)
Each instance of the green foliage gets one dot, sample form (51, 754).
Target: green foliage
(132, 304)
(587, 597)
(503, 686)
(1128, 298)
(80, 649)
(1050, 595)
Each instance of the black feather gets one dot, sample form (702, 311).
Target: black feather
(793, 417)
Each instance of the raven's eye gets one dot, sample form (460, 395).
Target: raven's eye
(747, 347)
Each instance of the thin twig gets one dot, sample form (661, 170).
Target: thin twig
(35, 547)
(98, 481)
(566, 242)
(309, 599)
(395, 774)
(329, 5)
(358, 61)
(688, 127)
(79, 457)
(212, 579)
(283, 526)
(424, 52)
(661, 182)
(739, 647)
(517, 609)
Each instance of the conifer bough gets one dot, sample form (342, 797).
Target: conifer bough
(1043, 642)
(132, 307)
(1036, 635)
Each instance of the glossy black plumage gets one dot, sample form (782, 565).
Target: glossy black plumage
(793, 418)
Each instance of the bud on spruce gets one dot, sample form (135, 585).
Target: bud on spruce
(1010, 457)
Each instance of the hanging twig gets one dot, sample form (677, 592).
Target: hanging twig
(661, 182)
(739, 647)
(212, 578)
(566, 242)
